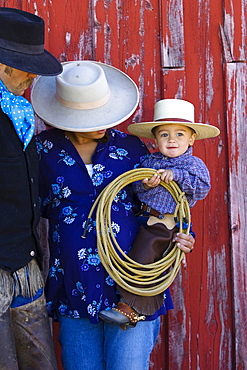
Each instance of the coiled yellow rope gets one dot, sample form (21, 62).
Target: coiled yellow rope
(150, 279)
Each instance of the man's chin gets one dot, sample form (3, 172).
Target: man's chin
(19, 92)
(25, 86)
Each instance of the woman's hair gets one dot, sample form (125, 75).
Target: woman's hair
(105, 138)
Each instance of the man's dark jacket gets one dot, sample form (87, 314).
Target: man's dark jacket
(19, 211)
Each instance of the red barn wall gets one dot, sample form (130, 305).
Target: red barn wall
(194, 50)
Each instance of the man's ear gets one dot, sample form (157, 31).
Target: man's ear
(192, 139)
(2, 66)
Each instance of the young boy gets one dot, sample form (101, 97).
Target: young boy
(174, 132)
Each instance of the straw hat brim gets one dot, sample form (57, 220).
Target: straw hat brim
(202, 130)
(124, 98)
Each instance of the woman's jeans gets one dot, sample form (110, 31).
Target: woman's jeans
(105, 346)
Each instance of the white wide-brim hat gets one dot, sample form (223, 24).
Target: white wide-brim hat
(173, 111)
(87, 96)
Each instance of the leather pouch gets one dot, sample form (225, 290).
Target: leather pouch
(150, 245)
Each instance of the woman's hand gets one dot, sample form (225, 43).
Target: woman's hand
(185, 243)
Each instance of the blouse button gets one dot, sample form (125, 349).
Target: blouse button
(32, 253)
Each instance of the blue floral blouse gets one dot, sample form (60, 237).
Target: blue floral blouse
(78, 285)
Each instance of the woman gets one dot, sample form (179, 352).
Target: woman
(77, 160)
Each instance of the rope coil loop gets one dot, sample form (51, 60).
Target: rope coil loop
(145, 280)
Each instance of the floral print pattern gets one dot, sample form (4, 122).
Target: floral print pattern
(99, 174)
(68, 160)
(57, 193)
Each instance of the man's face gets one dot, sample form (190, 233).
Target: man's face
(15, 80)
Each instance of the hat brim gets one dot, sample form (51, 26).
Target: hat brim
(124, 98)
(202, 130)
(44, 64)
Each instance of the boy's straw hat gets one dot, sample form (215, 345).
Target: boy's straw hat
(173, 111)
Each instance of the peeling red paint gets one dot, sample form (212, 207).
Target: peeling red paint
(195, 50)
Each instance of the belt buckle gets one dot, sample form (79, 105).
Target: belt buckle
(148, 209)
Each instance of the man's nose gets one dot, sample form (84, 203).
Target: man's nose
(32, 75)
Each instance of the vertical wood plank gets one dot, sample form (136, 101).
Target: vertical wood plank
(236, 104)
(133, 46)
(172, 33)
(235, 27)
(200, 327)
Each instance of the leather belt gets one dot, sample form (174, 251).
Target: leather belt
(151, 211)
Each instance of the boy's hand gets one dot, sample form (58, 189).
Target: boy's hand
(152, 182)
(166, 175)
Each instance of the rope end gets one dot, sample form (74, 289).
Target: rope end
(83, 236)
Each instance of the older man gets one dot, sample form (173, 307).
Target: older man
(25, 340)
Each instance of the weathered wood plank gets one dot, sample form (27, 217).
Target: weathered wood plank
(235, 28)
(172, 33)
(133, 47)
(200, 326)
(236, 108)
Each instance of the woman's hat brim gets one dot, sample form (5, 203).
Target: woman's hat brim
(123, 101)
(44, 64)
(202, 130)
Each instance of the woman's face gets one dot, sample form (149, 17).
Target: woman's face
(93, 135)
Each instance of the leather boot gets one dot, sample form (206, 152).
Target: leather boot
(122, 315)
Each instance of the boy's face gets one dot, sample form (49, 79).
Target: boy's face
(173, 140)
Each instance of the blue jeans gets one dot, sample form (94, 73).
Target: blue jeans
(105, 346)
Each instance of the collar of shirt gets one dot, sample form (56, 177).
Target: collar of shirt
(20, 112)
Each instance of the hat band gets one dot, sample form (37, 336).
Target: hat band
(89, 105)
(21, 48)
(173, 120)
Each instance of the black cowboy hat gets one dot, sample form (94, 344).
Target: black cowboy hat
(22, 43)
